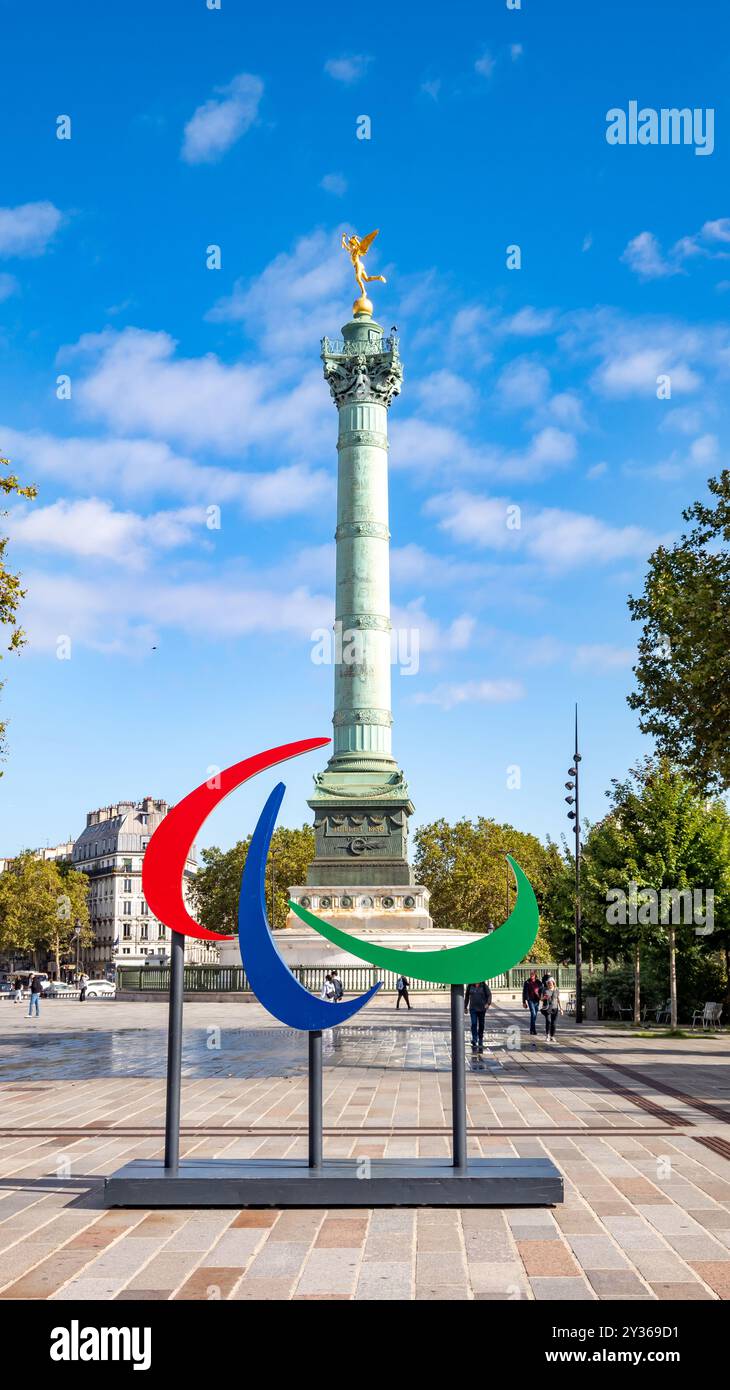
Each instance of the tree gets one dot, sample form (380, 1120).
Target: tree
(662, 834)
(10, 590)
(464, 867)
(40, 904)
(217, 884)
(683, 671)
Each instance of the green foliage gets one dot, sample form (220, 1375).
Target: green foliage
(217, 884)
(464, 867)
(40, 903)
(10, 590)
(683, 671)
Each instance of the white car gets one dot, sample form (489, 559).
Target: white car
(100, 989)
(57, 989)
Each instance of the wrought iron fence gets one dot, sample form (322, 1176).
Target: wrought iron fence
(230, 979)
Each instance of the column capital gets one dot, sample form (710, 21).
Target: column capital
(362, 365)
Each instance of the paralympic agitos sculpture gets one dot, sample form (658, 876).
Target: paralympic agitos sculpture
(268, 974)
(178, 1182)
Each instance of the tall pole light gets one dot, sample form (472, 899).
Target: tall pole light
(574, 772)
(77, 934)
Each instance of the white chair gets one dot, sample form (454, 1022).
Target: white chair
(710, 1015)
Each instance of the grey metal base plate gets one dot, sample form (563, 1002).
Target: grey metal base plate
(426, 1182)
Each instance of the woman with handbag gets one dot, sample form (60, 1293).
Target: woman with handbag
(550, 1007)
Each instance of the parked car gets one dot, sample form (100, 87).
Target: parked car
(58, 990)
(100, 989)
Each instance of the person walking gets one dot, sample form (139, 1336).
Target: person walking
(36, 990)
(531, 995)
(477, 1000)
(17, 990)
(401, 985)
(83, 985)
(339, 987)
(551, 1007)
(328, 989)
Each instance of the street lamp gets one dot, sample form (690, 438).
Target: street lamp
(77, 934)
(574, 785)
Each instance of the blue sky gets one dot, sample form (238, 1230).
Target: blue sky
(193, 387)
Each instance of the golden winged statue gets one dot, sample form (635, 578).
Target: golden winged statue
(357, 247)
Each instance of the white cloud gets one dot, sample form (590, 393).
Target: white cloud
(470, 692)
(146, 467)
(486, 64)
(445, 391)
(136, 384)
(635, 373)
(92, 529)
(556, 538)
(348, 69)
(705, 449)
(602, 656)
(644, 256)
(123, 613)
(719, 230)
(334, 183)
(27, 229)
(522, 383)
(432, 88)
(221, 121)
(300, 294)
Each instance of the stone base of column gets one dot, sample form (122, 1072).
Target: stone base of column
(392, 914)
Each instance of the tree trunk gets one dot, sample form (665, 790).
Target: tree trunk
(637, 981)
(58, 956)
(590, 963)
(673, 975)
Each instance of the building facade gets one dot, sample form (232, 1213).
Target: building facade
(110, 850)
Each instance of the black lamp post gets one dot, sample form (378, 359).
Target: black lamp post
(574, 772)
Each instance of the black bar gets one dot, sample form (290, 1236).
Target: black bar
(458, 1077)
(315, 1098)
(174, 1053)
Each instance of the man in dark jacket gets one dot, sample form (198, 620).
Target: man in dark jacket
(477, 1000)
(531, 995)
(36, 990)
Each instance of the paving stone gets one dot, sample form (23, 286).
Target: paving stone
(571, 1289)
(260, 1290)
(616, 1283)
(329, 1270)
(384, 1280)
(596, 1252)
(684, 1293)
(549, 1257)
(211, 1283)
(348, 1232)
(277, 1259)
(714, 1273)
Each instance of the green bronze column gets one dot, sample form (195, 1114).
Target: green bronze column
(361, 801)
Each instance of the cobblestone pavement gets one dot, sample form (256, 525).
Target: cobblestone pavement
(639, 1128)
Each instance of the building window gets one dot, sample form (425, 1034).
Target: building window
(143, 932)
(161, 932)
(127, 931)
(144, 909)
(127, 866)
(127, 909)
(125, 950)
(127, 885)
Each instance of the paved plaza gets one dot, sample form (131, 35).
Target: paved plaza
(639, 1128)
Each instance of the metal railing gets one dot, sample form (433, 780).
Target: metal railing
(337, 347)
(230, 979)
